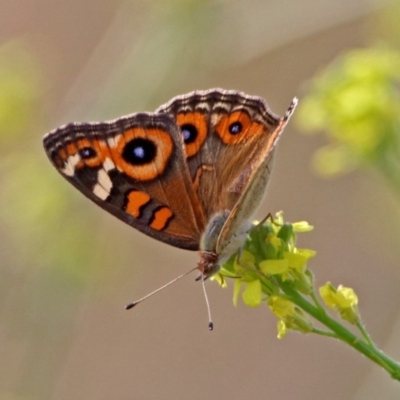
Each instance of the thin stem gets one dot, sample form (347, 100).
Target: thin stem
(317, 302)
(365, 334)
(343, 334)
(324, 333)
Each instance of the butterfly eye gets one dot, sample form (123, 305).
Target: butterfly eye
(139, 151)
(87, 152)
(189, 133)
(235, 128)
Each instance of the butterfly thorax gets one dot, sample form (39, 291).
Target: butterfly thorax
(208, 263)
(218, 243)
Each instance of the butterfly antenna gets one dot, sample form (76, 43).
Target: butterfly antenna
(135, 303)
(210, 323)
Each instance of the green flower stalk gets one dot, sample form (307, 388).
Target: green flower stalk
(271, 270)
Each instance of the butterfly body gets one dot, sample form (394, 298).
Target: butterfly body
(190, 174)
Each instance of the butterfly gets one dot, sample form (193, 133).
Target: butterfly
(189, 174)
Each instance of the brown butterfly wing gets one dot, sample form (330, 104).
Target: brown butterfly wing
(134, 168)
(257, 175)
(227, 134)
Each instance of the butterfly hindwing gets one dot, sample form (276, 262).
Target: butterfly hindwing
(226, 133)
(256, 183)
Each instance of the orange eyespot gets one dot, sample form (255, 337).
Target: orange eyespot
(237, 128)
(143, 154)
(194, 131)
(91, 153)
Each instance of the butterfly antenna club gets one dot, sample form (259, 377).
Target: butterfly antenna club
(210, 323)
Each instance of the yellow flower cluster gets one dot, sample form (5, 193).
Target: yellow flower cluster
(269, 258)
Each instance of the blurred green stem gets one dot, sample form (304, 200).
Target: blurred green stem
(390, 172)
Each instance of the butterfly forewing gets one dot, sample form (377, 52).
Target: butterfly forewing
(134, 168)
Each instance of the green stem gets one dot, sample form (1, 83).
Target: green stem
(361, 328)
(316, 302)
(324, 333)
(340, 332)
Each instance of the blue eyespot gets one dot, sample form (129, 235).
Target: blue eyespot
(235, 128)
(139, 151)
(189, 133)
(87, 152)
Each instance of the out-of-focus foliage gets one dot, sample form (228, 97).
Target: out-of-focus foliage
(44, 262)
(356, 102)
(27, 209)
(20, 87)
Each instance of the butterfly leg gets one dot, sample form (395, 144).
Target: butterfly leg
(264, 220)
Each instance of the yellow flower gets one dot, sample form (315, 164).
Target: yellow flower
(274, 267)
(274, 240)
(277, 220)
(268, 258)
(296, 261)
(252, 294)
(302, 226)
(343, 299)
(281, 307)
(236, 291)
(291, 317)
(220, 279)
(282, 330)
(246, 260)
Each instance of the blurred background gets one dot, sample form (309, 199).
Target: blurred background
(68, 268)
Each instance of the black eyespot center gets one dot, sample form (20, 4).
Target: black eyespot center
(189, 133)
(139, 151)
(87, 152)
(235, 128)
